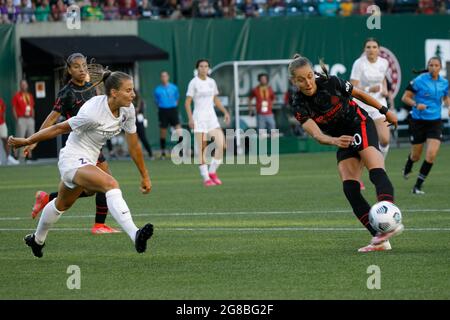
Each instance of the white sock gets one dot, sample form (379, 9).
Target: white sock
(204, 171)
(48, 217)
(120, 212)
(214, 165)
(384, 150)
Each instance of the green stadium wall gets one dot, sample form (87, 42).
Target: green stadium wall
(7, 70)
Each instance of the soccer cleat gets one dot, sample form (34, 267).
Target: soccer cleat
(142, 235)
(383, 246)
(405, 174)
(215, 178)
(11, 161)
(39, 204)
(381, 237)
(208, 183)
(101, 228)
(35, 247)
(416, 190)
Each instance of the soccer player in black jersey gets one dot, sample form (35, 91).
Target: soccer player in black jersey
(326, 110)
(68, 103)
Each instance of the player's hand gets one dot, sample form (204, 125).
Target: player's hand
(343, 141)
(375, 88)
(227, 118)
(391, 117)
(146, 185)
(191, 123)
(421, 107)
(27, 150)
(17, 142)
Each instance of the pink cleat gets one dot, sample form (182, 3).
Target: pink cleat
(215, 178)
(362, 186)
(381, 237)
(383, 246)
(208, 183)
(41, 200)
(101, 228)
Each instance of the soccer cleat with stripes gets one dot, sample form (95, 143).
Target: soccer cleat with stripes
(215, 179)
(41, 200)
(101, 228)
(416, 190)
(381, 237)
(35, 247)
(142, 235)
(383, 246)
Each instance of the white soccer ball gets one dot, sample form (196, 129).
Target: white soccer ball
(384, 216)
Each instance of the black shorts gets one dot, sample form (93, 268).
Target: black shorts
(365, 135)
(168, 117)
(421, 130)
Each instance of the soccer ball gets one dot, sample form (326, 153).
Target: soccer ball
(384, 216)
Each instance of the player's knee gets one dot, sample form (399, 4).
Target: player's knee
(414, 157)
(110, 183)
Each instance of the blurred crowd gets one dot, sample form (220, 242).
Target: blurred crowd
(27, 11)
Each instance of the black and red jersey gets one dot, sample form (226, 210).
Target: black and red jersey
(331, 107)
(70, 100)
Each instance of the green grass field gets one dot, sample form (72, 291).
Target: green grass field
(288, 236)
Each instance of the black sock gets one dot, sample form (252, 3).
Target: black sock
(162, 143)
(408, 165)
(424, 171)
(52, 196)
(360, 206)
(102, 207)
(383, 186)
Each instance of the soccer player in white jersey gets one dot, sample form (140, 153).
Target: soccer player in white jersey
(203, 91)
(100, 118)
(369, 74)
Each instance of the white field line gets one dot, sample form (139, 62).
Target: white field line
(230, 213)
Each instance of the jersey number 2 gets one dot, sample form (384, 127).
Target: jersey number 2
(82, 161)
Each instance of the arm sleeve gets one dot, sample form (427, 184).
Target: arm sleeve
(83, 121)
(343, 86)
(129, 126)
(356, 71)
(413, 86)
(410, 87)
(191, 90)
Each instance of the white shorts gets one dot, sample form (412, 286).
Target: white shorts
(68, 166)
(373, 112)
(206, 125)
(3, 131)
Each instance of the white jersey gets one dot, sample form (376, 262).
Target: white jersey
(202, 93)
(370, 74)
(94, 125)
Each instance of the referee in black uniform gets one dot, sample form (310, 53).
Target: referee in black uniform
(326, 110)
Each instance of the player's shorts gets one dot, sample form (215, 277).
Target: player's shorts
(365, 135)
(421, 130)
(374, 113)
(68, 164)
(3, 131)
(168, 117)
(206, 125)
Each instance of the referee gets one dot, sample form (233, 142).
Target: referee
(425, 95)
(166, 98)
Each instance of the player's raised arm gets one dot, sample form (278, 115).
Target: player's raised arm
(49, 121)
(46, 134)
